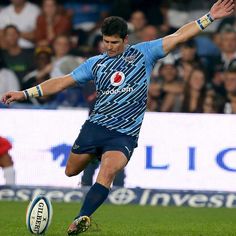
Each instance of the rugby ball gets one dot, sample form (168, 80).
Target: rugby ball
(39, 215)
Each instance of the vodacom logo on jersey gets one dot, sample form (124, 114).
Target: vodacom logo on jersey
(117, 78)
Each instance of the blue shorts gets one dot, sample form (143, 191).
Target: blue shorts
(96, 139)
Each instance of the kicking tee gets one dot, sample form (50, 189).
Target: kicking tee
(122, 85)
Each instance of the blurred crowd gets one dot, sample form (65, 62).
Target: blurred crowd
(49, 38)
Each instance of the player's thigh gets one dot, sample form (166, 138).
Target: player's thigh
(111, 163)
(77, 163)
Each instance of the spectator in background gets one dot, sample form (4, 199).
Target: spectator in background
(22, 14)
(94, 31)
(177, 14)
(182, 11)
(228, 47)
(217, 81)
(187, 59)
(166, 87)
(156, 13)
(62, 63)
(149, 33)
(6, 161)
(230, 87)
(136, 24)
(87, 18)
(171, 87)
(122, 8)
(8, 79)
(213, 103)
(52, 22)
(98, 46)
(17, 59)
(154, 97)
(208, 104)
(41, 73)
(194, 92)
(207, 52)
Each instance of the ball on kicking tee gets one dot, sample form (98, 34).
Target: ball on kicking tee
(39, 215)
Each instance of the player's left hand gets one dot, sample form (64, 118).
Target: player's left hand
(222, 8)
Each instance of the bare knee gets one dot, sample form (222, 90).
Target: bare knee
(70, 172)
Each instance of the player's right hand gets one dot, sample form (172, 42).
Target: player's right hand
(12, 96)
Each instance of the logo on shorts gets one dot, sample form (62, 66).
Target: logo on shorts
(75, 146)
(117, 78)
(128, 150)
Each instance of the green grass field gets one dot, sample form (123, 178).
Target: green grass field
(127, 220)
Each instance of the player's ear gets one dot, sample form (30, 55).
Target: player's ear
(126, 39)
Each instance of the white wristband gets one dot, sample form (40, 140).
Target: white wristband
(204, 21)
(33, 92)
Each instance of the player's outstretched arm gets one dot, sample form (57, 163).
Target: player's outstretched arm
(49, 87)
(220, 9)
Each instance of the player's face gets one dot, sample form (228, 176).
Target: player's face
(114, 45)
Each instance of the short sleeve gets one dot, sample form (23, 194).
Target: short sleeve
(83, 73)
(153, 50)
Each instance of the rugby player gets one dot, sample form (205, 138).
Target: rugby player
(121, 76)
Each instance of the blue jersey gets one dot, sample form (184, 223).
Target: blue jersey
(122, 85)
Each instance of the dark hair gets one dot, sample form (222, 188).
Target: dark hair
(11, 26)
(187, 94)
(114, 25)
